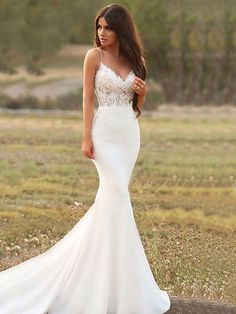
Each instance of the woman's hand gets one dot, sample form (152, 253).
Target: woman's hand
(87, 148)
(139, 86)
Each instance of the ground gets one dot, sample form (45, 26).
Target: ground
(182, 191)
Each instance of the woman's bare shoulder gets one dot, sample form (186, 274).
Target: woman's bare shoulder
(92, 58)
(92, 54)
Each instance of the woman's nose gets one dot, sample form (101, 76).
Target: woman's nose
(103, 31)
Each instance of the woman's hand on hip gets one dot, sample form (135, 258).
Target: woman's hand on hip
(87, 148)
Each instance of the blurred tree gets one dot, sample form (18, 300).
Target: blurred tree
(189, 45)
(39, 27)
(11, 22)
(81, 15)
(44, 31)
(191, 66)
(154, 23)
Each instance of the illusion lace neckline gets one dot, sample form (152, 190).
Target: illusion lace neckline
(116, 74)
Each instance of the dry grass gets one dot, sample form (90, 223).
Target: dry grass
(182, 190)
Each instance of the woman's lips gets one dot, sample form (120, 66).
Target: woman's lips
(102, 39)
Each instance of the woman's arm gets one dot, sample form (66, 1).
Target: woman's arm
(142, 91)
(89, 70)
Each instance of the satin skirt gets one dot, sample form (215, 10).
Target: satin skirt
(99, 266)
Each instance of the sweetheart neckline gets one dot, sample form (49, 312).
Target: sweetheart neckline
(113, 71)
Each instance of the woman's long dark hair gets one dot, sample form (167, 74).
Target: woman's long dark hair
(130, 44)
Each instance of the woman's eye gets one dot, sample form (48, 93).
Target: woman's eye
(107, 28)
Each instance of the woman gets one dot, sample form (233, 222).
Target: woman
(100, 266)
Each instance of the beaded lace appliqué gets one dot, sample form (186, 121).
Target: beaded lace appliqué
(111, 89)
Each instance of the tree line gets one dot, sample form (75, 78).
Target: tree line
(189, 45)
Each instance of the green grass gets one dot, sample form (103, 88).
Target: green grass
(183, 192)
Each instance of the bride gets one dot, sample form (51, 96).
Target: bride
(100, 266)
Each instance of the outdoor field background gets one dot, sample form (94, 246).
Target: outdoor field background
(182, 190)
(183, 187)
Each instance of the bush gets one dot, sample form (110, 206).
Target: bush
(70, 101)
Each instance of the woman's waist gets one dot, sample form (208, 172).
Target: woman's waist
(115, 106)
(117, 115)
(115, 110)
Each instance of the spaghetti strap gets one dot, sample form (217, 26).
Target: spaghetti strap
(100, 53)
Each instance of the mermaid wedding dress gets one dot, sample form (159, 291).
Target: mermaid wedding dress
(99, 266)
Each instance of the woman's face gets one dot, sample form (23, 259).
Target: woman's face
(106, 35)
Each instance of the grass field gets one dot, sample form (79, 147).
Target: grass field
(183, 192)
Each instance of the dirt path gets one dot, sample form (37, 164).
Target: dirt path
(61, 76)
(50, 86)
(164, 111)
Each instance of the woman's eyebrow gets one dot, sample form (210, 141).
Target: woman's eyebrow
(107, 25)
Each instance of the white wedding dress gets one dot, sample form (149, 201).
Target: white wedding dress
(99, 266)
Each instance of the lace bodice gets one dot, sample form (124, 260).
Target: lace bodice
(111, 89)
